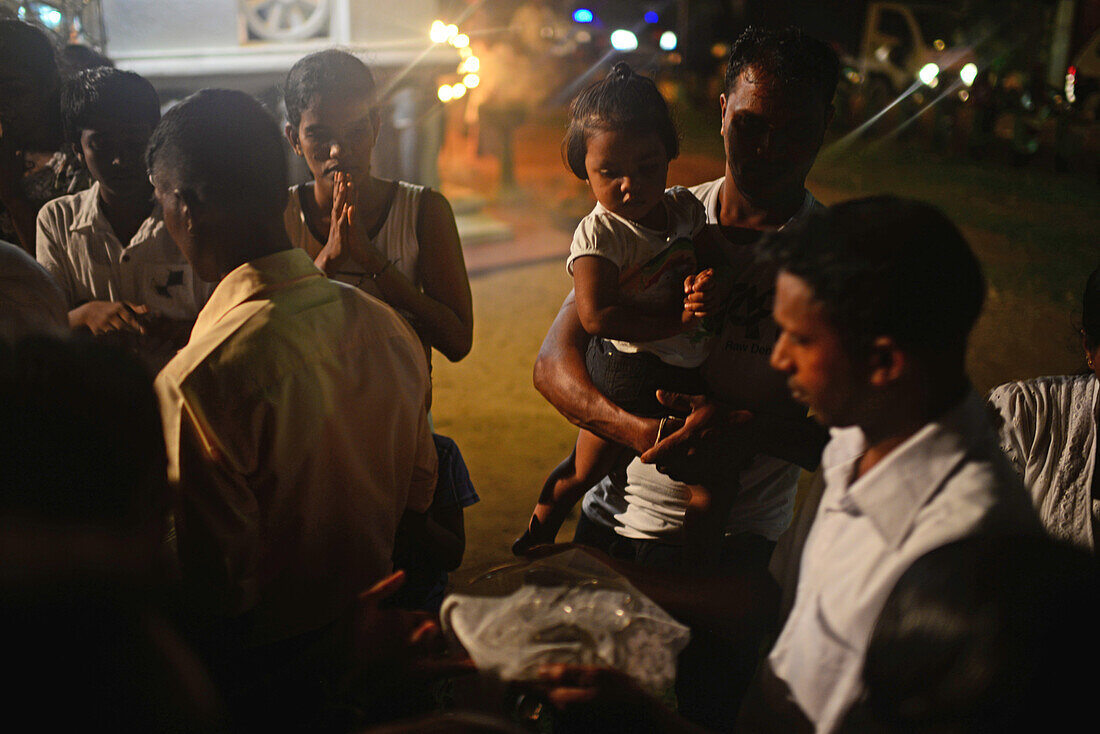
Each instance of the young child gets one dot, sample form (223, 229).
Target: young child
(632, 260)
(107, 247)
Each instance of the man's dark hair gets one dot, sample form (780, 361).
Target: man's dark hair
(788, 56)
(1090, 310)
(105, 90)
(29, 49)
(82, 435)
(980, 635)
(622, 100)
(224, 146)
(331, 72)
(884, 266)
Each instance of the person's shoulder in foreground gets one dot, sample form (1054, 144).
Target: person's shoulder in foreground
(293, 391)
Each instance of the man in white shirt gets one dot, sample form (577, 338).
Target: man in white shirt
(875, 299)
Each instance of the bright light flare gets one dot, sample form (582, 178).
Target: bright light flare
(461, 41)
(583, 15)
(49, 16)
(1071, 84)
(668, 41)
(471, 64)
(452, 31)
(928, 73)
(445, 93)
(968, 74)
(623, 40)
(471, 80)
(438, 33)
(651, 16)
(458, 90)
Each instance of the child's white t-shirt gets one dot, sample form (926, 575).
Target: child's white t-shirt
(652, 266)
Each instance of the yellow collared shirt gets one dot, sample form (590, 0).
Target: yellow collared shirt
(297, 433)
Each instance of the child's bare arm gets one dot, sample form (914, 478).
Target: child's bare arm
(596, 283)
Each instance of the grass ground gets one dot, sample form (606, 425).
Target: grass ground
(1033, 230)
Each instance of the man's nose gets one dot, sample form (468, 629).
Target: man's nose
(778, 359)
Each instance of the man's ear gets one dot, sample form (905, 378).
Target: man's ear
(722, 108)
(887, 362)
(291, 134)
(191, 207)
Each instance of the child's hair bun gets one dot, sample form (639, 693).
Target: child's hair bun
(621, 71)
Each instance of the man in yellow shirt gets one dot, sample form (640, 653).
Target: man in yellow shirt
(296, 415)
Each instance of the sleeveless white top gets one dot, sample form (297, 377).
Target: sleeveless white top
(396, 240)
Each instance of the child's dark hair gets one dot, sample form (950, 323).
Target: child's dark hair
(106, 89)
(324, 73)
(621, 101)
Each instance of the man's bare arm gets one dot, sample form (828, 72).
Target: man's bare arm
(562, 378)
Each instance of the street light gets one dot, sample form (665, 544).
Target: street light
(623, 40)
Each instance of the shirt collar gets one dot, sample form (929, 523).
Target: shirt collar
(808, 203)
(253, 280)
(895, 490)
(90, 215)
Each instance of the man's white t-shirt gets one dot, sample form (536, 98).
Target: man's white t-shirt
(649, 505)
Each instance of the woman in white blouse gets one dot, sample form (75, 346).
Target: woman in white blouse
(1049, 432)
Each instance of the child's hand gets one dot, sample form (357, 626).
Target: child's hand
(702, 296)
(102, 317)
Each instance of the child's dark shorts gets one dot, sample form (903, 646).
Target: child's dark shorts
(631, 380)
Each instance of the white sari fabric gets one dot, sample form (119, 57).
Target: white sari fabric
(1048, 431)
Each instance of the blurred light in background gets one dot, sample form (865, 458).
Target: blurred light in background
(668, 41)
(583, 15)
(938, 44)
(452, 31)
(1071, 84)
(445, 93)
(50, 16)
(651, 16)
(968, 74)
(928, 73)
(471, 80)
(438, 33)
(460, 41)
(465, 52)
(623, 40)
(471, 64)
(457, 90)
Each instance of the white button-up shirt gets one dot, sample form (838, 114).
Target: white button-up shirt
(946, 481)
(76, 245)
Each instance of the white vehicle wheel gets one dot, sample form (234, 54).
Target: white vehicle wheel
(285, 20)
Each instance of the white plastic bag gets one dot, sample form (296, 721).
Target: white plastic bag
(567, 608)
